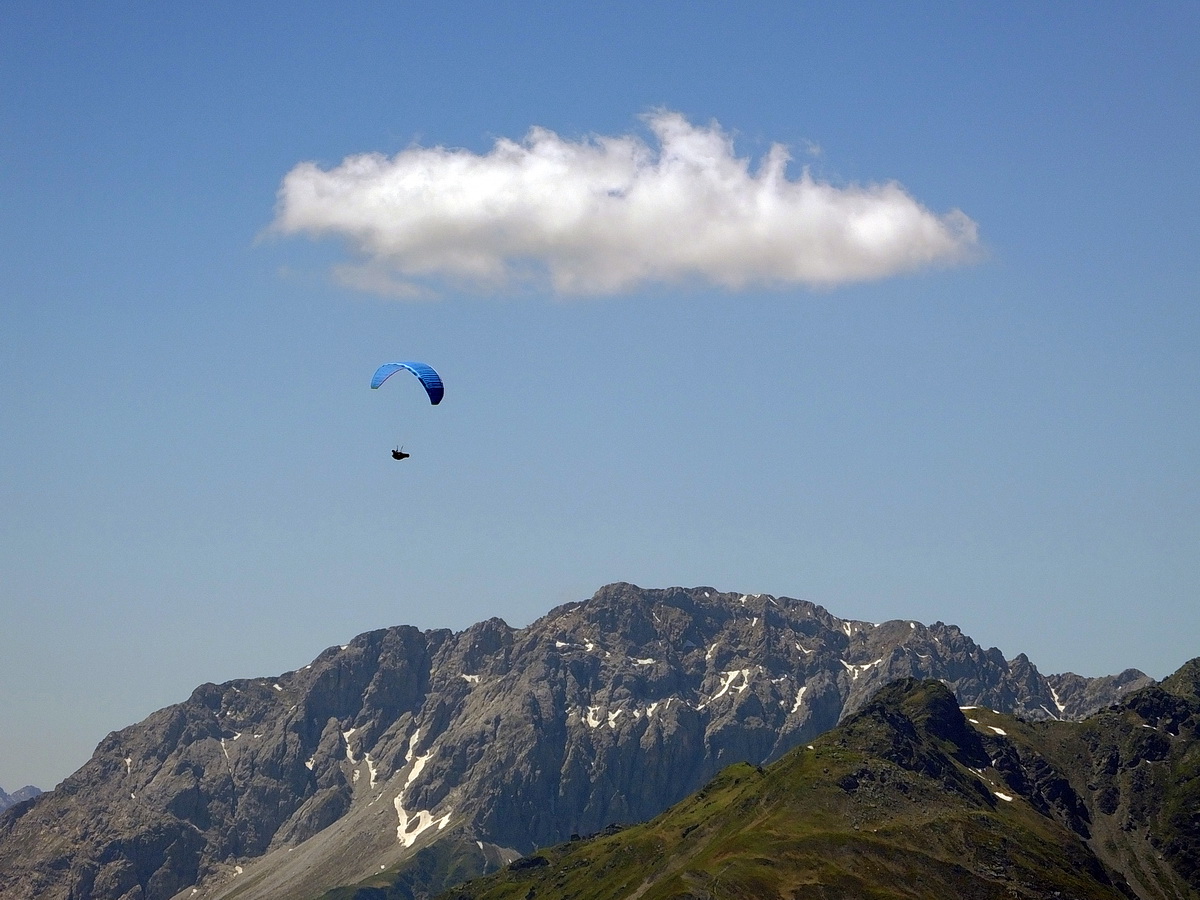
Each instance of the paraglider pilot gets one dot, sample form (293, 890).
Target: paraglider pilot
(430, 380)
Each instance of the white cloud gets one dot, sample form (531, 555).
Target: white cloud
(607, 214)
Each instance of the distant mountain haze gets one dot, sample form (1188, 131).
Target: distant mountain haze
(433, 756)
(26, 793)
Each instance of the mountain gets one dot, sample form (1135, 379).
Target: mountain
(910, 798)
(26, 793)
(438, 755)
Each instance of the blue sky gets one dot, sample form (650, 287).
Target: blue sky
(195, 482)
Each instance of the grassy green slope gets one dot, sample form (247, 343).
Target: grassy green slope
(899, 802)
(1134, 770)
(910, 798)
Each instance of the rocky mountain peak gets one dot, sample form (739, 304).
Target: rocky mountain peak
(1185, 682)
(19, 796)
(914, 796)
(499, 739)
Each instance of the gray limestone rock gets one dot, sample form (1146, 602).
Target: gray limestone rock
(493, 739)
(26, 793)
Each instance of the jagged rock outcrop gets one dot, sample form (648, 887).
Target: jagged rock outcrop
(607, 710)
(913, 797)
(26, 793)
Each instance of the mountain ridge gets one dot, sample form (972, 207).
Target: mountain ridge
(18, 796)
(913, 797)
(500, 739)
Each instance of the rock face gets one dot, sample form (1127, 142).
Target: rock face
(26, 793)
(909, 797)
(498, 739)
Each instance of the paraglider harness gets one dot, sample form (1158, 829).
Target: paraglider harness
(399, 453)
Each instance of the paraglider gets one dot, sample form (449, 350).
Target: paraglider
(425, 372)
(429, 378)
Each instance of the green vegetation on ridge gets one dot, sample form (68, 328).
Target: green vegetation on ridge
(913, 798)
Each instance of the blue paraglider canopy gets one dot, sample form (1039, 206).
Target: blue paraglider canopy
(429, 378)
